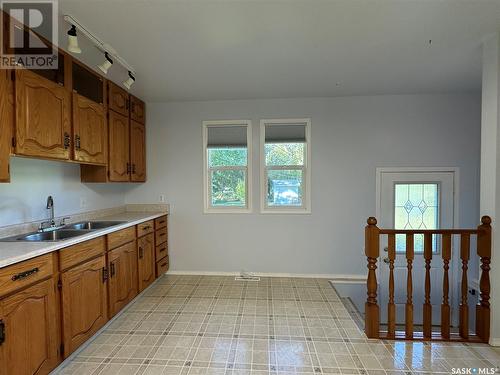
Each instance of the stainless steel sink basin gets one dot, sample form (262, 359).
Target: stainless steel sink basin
(51, 236)
(93, 225)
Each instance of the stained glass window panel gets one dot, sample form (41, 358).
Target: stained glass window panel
(416, 206)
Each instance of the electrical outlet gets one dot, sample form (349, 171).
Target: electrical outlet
(162, 198)
(83, 202)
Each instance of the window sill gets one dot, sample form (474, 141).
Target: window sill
(286, 211)
(227, 211)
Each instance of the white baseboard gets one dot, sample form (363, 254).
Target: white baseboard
(495, 341)
(345, 279)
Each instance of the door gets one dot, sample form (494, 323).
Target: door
(84, 305)
(43, 124)
(137, 152)
(118, 100)
(90, 131)
(137, 110)
(31, 339)
(6, 122)
(146, 256)
(122, 265)
(414, 200)
(119, 151)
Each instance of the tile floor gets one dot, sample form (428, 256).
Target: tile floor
(216, 325)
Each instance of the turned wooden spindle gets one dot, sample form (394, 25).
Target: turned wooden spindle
(427, 309)
(409, 287)
(484, 252)
(372, 251)
(445, 306)
(391, 307)
(464, 307)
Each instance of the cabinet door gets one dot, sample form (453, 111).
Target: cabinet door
(42, 117)
(119, 153)
(137, 151)
(146, 256)
(118, 99)
(90, 131)
(137, 110)
(84, 305)
(122, 265)
(6, 122)
(30, 323)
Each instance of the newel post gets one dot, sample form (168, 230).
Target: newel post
(484, 252)
(372, 251)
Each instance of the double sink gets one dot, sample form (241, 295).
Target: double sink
(63, 233)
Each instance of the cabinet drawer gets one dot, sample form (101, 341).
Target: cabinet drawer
(121, 237)
(161, 251)
(161, 222)
(76, 254)
(145, 228)
(161, 236)
(162, 266)
(25, 273)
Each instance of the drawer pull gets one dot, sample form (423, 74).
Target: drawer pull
(162, 234)
(163, 265)
(146, 227)
(2, 332)
(25, 274)
(163, 249)
(141, 253)
(113, 270)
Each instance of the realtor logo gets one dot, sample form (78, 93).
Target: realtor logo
(29, 34)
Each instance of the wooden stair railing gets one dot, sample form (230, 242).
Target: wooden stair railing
(372, 309)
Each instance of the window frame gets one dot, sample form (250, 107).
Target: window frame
(306, 169)
(207, 171)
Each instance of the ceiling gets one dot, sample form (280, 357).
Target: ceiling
(242, 49)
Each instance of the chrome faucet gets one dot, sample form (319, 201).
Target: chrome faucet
(50, 206)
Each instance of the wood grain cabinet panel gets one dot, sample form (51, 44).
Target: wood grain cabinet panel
(137, 110)
(43, 126)
(162, 266)
(119, 153)
(90, 131)
(6, 122)
(118, 99)
(30, 323)
(84, 303)
(122, 266)
(137, 152)
(146, 261)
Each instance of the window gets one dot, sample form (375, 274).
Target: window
(416, 206)
(227, 173)
(285, 166)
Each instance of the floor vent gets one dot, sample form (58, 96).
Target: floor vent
(247, 276)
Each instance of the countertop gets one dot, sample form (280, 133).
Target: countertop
(15, 252)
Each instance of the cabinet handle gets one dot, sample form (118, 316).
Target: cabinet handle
(163, 265)
(104, 274)
(25, 274)
(133, 168)
(141, 252)
(77, 142)
(128, 168)
(146, 227)
(2, 332)
(163, 249)
(66, 140)
(113, 270)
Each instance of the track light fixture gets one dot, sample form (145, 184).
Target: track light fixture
(104, 67)
(129, 81)
(73, 40)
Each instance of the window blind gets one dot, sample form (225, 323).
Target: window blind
(227, 136)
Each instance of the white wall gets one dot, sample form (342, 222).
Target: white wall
(350, 137)
(24, 199)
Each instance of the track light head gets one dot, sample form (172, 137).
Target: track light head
(129, 81)
(104, 67)
(73, 40)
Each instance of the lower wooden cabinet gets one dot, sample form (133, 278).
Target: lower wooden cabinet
(146, 261)
(122, 266)
(29, 321)
(84, 302)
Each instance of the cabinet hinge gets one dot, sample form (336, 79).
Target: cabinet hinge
(105, 274)
(61, 349)
(2, 332)
(13, 141)
(59, 284)
(12, 75)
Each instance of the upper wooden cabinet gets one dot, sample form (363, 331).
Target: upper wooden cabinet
(31, 331)
(43, 126)
(84, 302)
(118, 99)
(6, 122)
(90, 131)
(119, 151)
(137, 110)
(137, 152)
